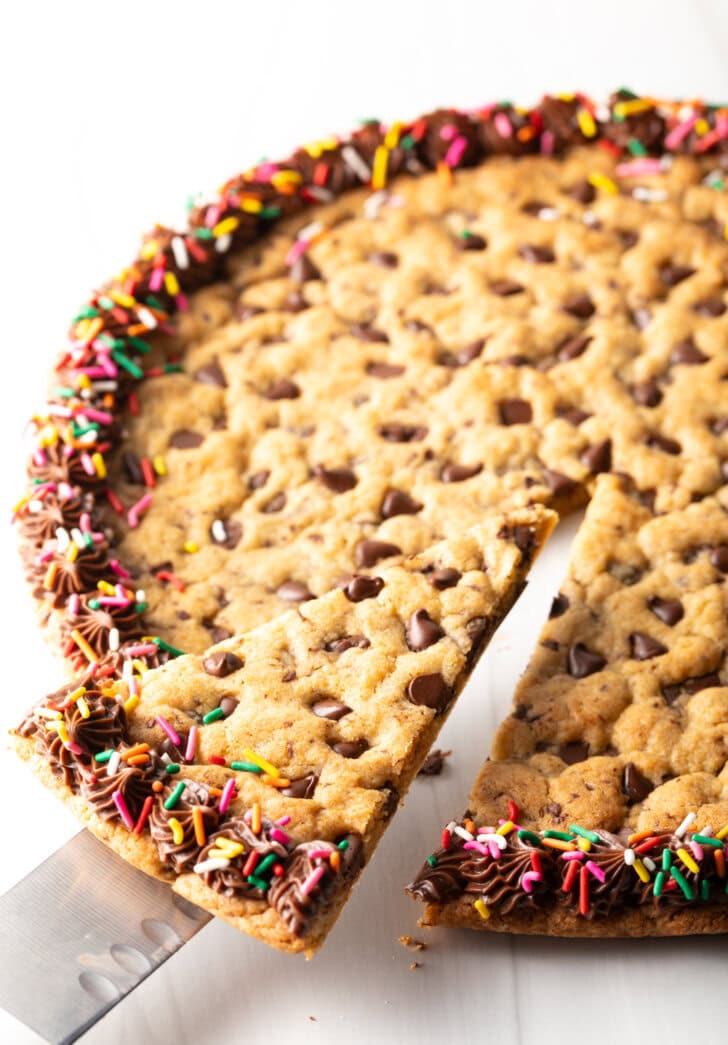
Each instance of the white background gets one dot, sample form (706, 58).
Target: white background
(111, 115)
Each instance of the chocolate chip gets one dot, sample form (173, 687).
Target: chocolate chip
(463, 356)
(624, 572)
(534, 207)
(444, 578)
(416, 326)
(719, 558)
(385, 258)
(222, 663)
(228, 705)
(368, 553)
(275, 504)
(360, 588)
(212, 374)
(581, 661)
(573, 415)
(669, 611)
(384, 370)
(690, 686)
(458, 473)
(350, 748)
(644, 647)
(514, 411)
(434, 763)
(711, 307)
(303, 269)
(331, 709)
(399, 433)
(368, 333)
(573, 751)
(304, 787)
(580, 306)
(422, 631)
(635, 786)
(472, 241)
(283, 388)
(258, 479)
(295, 302)
(232, 531)
(559, 484)
(243, 312)
(663, 442)
(399, 502)
(536, 254)
(628, 237)
(347, 642)
(583, 192)
(687, 353)
(293, 591)
(133, 468)
(647, 393)
(505, 288)
(218, 633)
(185, 439)
(559, 605)
(338, 480)
(573, 347)
(598, 458)
(430, 691)
(671, 273)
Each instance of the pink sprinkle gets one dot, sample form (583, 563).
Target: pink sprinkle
(74, 747)
(191, 741)
(101, 416)
(639, 168)
(313, 880)
(494, 850)
(165, 726)
(283, 820)
(573, 856)
(111, 600)
(74, 603)
(156, 280)
(318, 854)
(46, 556)
(266, 171)
(107, 365)
(713, 137)
(482, 849)
(132, 516)
(39, 456)
(133, 686)
(65, 491)
(93, 371)
(226, 796)
(448, 132)
(454, 154)
(123, 810)
(144, 649)
(547, 143)
(212, 215)
(528, 879)
(503, 125)
(593, 869)
(682, 130)
(697, 851)
(119, 569)
(297, 250)
(181, 303)
(280, 836)
(85, 523)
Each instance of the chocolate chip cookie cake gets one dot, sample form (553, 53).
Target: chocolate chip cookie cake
(295, 463)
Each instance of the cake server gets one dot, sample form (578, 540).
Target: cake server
(80, 932)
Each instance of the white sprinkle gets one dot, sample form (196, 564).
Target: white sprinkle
(127, 670)
(104, 386)
(707, 832)
(451, 826)
(353, 160)
(146, 317)
(140, 595)
(218, 531)
(463, 833)
(216, 864)
(499, 840)
(223, 243)
(374, 203)
(649, 864)
(114, 639)
(35, 506)
(180, 253)
(629, 857)
(319, 193)
(78, 538)
(548, 214)
(645, 195)
(112, 765)
(666, 161)
(311, 231)
(685, 825)
(88, 438)
(166, 759)
(589, 218)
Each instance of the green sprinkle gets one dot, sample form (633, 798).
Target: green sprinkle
(659, 884)
(265, 864)
(173, 368)
(636, 147)
(466, 234)
(565, 836)
(173, 767)
(87, 312)
(343, 845)
(432, 861)
(202, 233)
(626, 94)
(369, 121)
(212, 716)
(714, 843)
(167, 648)
(407, 142)
(270, 212)
(705, 889)
(139, 344)
(245, 767)
(529, 836)
(666, 859)
(716, 183)
(688, 891)
(63, 392)
(106, 302)
(171, 802)
(259, 883)
(94, 604)
(141, 607)
(92, 427)
(153, 302)
(112, 342)
(582, 832)
(103, 756)
(127, 364)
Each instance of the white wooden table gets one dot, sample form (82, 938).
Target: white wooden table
(111, 118)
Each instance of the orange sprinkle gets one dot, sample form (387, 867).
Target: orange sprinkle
(469, 826)
(199, 826)
(256, 820)
(335, 861)
(275, 781)
(138, 749)
(445, 175)
(50, 577)
(556, 843)
(216, 792)
(84, 647)
(639, 837)
(157, 785)
(719, 857)
(137, 760)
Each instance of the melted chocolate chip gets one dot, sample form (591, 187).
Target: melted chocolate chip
(367, 333)
(444, 578)
(710, 307)
(573, 415)
(689, 686)
(399, 433)
(580, 306)
(399, 502)
(644, 647)
(647, 393)
(663, 442)
(347, 642)
(185, 439)
(505, 288)
(669, 611)
(328, 707)
(275, 504)
(228, 705)
(360, 588)
(385, 258)
(573, 751)
(368, 553)
(581, 661)
(422, 631)
(212, 374)
(430, 691)
(463, 356)
(338, 480)
(515, 412)
(458, 473)
(258, 479)
(573, 347)
(303, 269)
(559, 484)
(624, 572)
(350, 748)
(222, 663)
(283, 388)
(536, 254)
(559, 605)
(472, 241)
(719, 558)
(671, 273)
(687, 353)
(243, 312)
(304, 787)
(293, 591)
(434, 763)
(384, 370)
(598, 458)
(635, 785)
(583, 192)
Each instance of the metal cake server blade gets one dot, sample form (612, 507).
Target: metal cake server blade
(80, 932)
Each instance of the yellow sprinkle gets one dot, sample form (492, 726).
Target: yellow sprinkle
(634, 105)
(251, 756)
(702, 127)
(250, 205)
(125, 300)
(482, 908)
(50, 578)
(725, 231)
(228, 848)
(284, 178)
(149, 249)
(73, 697)
(642, 872)
(139, 666)
(379, 167)
(159, 466)
(391, 138)
(20, 504)
(191, 547)
(84, 646)
(63, 732)
(688, 861)
(83, 381)
(171, 284)
(106, 588)
(49, 713)
(72, 552)
(314, 149)
(99, 464)
(584, 844)
(226, 226)
(505, 829)
(131, 703)
(601, 181)
(48, 435)
(83, 707)
(723, 833)
(178, 835)
(587, 126)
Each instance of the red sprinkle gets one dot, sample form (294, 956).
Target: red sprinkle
(249, 865)
(569, 877)
(144, 815)
(648, 844)
(536, 863)
(278, 870)
(583, 890)
(171, 578)
(446, 839)
(217, 760)
(133, 403)
(513, 811)
(150, 479)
